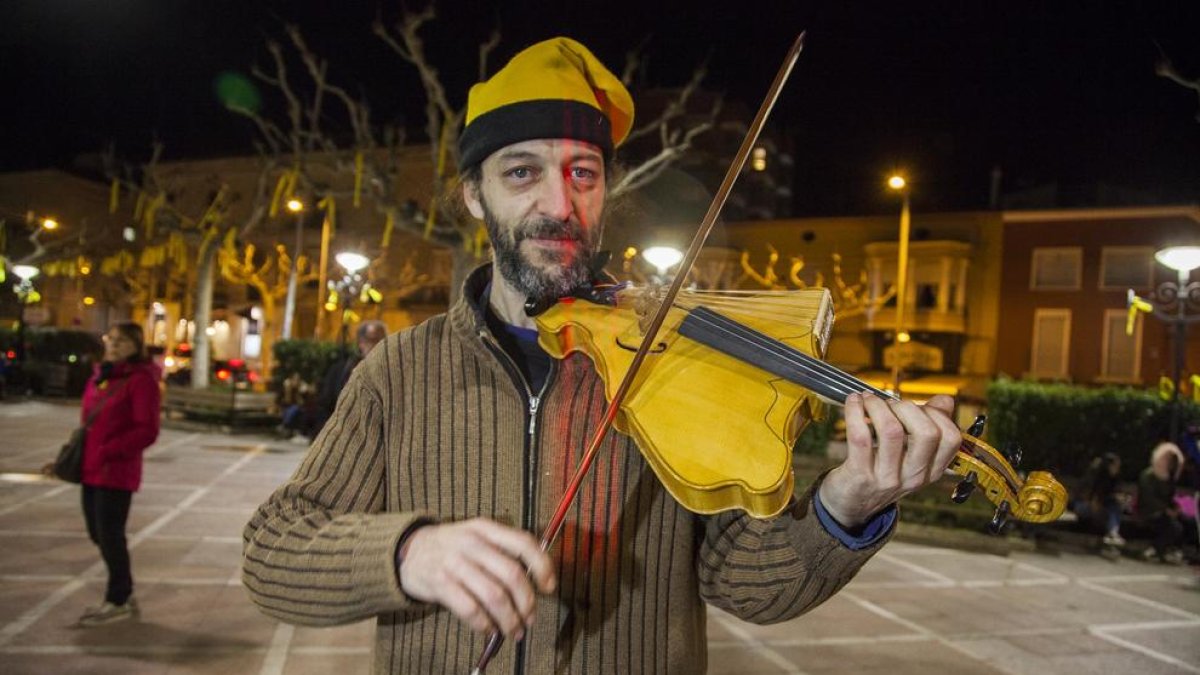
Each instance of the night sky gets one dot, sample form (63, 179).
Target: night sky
(1056, 91)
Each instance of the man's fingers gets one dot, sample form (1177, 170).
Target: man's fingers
(948, 446)
(464, 605)
(920, 453)
(509, 573)
(521, 545)
(493, 596)
(859, 444)
(890, 436)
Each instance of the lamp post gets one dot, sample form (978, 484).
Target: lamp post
(1176, 303)
(899, 184)
(289, 308)
(348, 286)
(26, 295)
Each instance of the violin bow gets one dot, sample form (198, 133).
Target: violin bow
(554, 527)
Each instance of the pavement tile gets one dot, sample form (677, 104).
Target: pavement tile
(741, 661)
(1181, 643)
(355, 635)
(18, 597)
(186, 559)
(886, 658)
(84, 664)
(323, 664)
(968, 567)
(988, 611)
(1012, 656)
(836, 618)
(1172, 592)
(227, 496)
(68, 517)
(223, 523)
(70, 554)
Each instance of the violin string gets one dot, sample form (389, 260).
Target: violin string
(838, 382)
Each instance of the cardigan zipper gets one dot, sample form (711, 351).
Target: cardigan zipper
(535, 400)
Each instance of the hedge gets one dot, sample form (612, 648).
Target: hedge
(1061, 427)
(307, 357)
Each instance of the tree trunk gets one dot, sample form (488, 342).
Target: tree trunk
(201, 361)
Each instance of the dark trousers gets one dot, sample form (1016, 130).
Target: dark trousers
(105, 511)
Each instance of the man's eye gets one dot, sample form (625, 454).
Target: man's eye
(520, 173)
(582, 173)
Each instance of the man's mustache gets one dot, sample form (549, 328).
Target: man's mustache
(549, 229)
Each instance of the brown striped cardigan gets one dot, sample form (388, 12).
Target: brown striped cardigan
(437, 422)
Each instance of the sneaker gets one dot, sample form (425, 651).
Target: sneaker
(1173, 557)
(1113, 539)
(108, 613)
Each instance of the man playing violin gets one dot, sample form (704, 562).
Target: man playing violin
(454, 440)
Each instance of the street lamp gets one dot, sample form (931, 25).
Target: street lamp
(663, 258)
(1177, 304)
(899, 184)
(347, 288)
(289, 308)
(26, 295)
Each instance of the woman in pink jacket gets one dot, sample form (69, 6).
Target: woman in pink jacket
(125, 391)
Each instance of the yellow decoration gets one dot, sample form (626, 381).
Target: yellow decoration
(139, 206)
(1136, 305)
(388, 224)
(330, 207)
(114, 196)
(1166, 388)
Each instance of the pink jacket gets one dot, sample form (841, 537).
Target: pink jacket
(124, 428)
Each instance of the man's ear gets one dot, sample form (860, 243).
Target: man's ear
(470, 193)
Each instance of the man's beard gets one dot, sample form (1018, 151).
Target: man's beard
(564, 272)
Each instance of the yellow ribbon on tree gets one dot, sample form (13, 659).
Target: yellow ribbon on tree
(388, 224)
(1136, 305)
(1195, 382)
(114, 196)
(327, 202)
(1166, 388)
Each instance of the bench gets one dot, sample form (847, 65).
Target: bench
(233, 408)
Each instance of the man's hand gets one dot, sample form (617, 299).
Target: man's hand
(915, 445)
(476, 569)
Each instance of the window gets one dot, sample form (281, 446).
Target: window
(1120, 357)
(1051, 343)
(1123, 267)
(1056, 269)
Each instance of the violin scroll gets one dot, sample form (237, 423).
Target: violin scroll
(1039, 498)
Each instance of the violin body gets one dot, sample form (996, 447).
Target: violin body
(718, 432)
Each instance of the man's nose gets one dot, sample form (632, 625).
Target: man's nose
(555, 198)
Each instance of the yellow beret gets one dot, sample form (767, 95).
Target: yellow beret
(554, 89)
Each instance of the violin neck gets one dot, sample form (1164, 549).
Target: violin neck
(778, 358)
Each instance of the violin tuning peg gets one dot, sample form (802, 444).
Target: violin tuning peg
(999, 519)
(1013, 453)
(976, 428)
(964, 488)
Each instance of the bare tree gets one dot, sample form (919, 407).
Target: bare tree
(204, 232)
(1164, 67)
(370, 155)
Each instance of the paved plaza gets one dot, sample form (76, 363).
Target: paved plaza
(913, 609)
